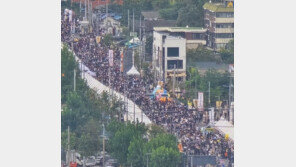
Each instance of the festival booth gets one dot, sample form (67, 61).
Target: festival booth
(225, 127)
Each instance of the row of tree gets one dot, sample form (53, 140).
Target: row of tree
(219, 85)
(181, 10)
(83, 110)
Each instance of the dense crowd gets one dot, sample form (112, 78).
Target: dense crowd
(174, 116)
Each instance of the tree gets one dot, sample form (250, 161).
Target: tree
(120, 142)
(73, 140)
(136, 152)
(155, 131)
(227, 54)
(89, 140)
(165, 139)
(107, 40)
(165, 157)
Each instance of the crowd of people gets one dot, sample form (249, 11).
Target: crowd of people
(172, 115)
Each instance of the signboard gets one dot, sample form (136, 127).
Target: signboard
(200, 101)
(111, 58)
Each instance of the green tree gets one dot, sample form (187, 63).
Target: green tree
(227, 54)
(136, 152)
(120, 142)
(165, 157)
(155, 131)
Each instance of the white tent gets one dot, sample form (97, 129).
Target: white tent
(135, 40)
(133, 71)
(225, 127)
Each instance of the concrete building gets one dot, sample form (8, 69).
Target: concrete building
(219, 21)
(169, 50)
(194, 36)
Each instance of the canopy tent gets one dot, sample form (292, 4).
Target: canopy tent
(225, 127)
(133, 71)
(135, 40)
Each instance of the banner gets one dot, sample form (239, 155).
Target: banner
(200, 101)
(121, 61)
(218, 104)
(111, 58)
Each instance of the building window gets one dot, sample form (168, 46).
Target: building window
(225, 25)
(224, 35)
(224, 15)
(196, 36)
(173, 52)
(177, 63)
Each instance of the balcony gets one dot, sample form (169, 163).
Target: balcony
(224, 20)
(224, 30)
(222, 40)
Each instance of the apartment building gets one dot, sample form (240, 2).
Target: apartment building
(219, 21)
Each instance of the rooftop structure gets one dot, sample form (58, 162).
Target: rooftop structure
(150, 15)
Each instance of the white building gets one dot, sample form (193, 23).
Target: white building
(169, 50)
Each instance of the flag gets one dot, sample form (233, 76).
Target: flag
(180, 147)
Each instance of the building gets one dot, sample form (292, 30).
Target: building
(219, 21)
(151, 15)
(98, 3)
(169, 55)
(194, 36)
(169, 50)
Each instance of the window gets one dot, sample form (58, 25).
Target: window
(225, 25)
(224, 15)
(177, 63)
(196, 36)
(224, 35)
(173, 52)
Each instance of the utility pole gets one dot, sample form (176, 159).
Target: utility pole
(85, 9)
(140, 37)
(209, 93)
(68, 163)
(74, 80)
(128, 24)
(174, 79)
(106, 9)
(134, 112)
(103, 145)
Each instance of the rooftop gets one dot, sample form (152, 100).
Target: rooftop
(211, 65)
(217, 7)
(181, 29)
(150, 15)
